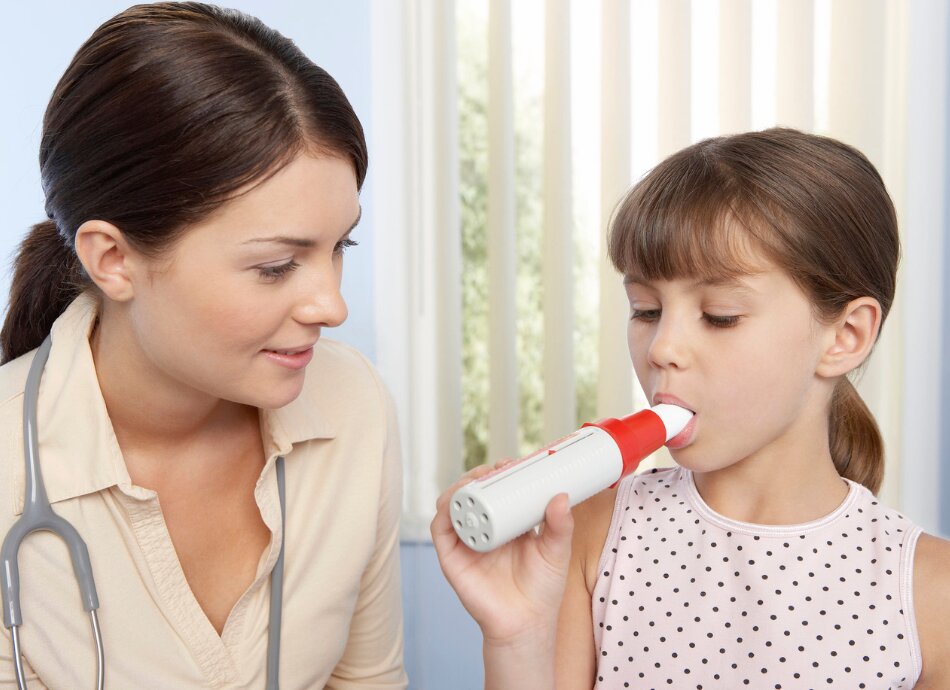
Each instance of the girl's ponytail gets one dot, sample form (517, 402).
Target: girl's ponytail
(47, 276)
(854, 438)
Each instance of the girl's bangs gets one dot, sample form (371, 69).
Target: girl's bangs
(688, 226)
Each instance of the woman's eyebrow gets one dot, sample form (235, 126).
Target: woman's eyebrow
(282, 239)
(300, 241)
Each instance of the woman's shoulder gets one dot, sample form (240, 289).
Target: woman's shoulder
(342, 392)
(342, 373)
(13, 376)
(931, 584)
(334, 354)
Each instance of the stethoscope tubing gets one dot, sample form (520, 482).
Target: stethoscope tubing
(38, 515)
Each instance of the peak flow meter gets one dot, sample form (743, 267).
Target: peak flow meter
(508, 502)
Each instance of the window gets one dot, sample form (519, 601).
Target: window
(501, 326)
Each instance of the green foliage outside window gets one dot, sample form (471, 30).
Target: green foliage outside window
(473, 160)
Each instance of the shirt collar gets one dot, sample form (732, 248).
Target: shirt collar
(78, 450)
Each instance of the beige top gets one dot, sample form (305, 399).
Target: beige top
(342, 619)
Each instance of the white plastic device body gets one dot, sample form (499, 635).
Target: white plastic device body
(504, 504)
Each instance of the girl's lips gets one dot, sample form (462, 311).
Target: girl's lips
(683, 438)
(664, 399)
(298, 360)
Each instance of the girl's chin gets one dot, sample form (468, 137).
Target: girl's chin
(689, 460)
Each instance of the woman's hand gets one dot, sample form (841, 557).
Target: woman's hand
(513, 592)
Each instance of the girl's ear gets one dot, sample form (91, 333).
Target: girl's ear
(108, 258)
(854, 334)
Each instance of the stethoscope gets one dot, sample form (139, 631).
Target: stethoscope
(38, 515)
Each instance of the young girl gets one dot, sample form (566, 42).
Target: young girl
(759, 268)
(202, 179)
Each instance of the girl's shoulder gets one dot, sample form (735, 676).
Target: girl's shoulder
(592, 520)
(594, 517)
(931, 585)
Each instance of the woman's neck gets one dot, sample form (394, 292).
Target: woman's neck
(148, 408)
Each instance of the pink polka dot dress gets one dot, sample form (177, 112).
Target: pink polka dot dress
(689, 599)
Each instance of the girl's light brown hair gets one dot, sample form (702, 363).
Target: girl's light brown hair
(814, 206)
(165, 113)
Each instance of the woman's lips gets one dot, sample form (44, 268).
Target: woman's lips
(297, 360)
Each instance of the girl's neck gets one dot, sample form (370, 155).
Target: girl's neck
(792, 481)
(762, 498)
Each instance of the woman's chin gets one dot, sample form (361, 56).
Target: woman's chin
(278, 396)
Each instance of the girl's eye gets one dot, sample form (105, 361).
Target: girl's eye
(275, 273)
(721, 321)
(343, 245)
(647, 315)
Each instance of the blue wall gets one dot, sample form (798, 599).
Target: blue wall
(443, 643)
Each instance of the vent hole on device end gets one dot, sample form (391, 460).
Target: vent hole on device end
(484, 537)
(471, 540)
(484, 518)
(457, 505)
(471, 502)
(458, 524)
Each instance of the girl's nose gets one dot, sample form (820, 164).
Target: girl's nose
(668, 347)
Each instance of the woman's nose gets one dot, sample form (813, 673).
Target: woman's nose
(323, 303)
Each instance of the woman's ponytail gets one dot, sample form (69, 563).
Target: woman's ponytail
(855, 440)
(47, 276)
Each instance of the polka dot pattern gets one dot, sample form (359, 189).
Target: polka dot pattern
(687, 598)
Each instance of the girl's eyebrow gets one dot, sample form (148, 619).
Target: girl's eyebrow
(301, 241)
(719, 282)
(733, 285)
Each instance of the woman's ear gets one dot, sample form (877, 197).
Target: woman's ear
(854, 334)
(108, 258)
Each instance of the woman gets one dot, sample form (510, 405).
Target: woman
(202, 179)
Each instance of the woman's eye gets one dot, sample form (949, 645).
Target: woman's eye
(274, 273)
(343, 245)
(644, 314)
(721, 321)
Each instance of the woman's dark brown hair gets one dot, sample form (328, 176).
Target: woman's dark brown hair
(165, 113)
(816, 207)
